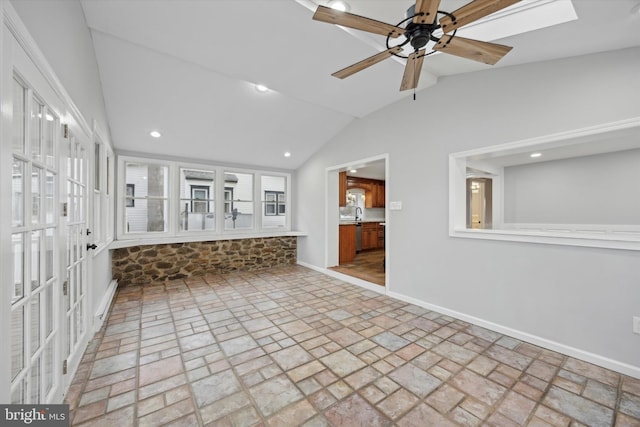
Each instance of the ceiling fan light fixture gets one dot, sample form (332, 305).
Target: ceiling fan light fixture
(339, 5)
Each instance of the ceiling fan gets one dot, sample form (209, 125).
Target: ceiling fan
(418, 29)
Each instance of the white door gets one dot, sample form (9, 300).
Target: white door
(35, 284)
(75, 301)
(46, 270)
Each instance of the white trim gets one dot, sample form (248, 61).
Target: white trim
(596, 359)
(346, 278)
(103, 308)
(201, 237)
(607, 236)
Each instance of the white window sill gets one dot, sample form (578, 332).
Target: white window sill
(160, 240)
(586, 236)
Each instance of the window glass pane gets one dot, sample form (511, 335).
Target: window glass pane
(49, 207)
(147, 207)
(238, 201)
(18, 117)
(17, 246)
(17, 193)
(36, 129)
(274, 201)
(36, 184)
(17, 341)
(197, 203)
(35, 259)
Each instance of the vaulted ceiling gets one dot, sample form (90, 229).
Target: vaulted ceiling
(187, 69)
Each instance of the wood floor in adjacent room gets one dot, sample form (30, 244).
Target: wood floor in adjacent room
(367, 265)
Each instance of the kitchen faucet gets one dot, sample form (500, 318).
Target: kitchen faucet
(358, 208)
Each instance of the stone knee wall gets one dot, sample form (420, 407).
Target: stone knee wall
(153, 263)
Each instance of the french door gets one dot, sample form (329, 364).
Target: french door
(48, 266)
(74, 288)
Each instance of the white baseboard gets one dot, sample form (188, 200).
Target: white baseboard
(103, 308)
(346, 278)
(596, 359)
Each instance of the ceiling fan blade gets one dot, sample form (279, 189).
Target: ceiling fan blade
(429, 10)
(366, 63)
(346, 19)
(412, 70)
(486, 52)
(472, 12)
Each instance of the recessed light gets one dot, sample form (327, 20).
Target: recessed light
(339, 5)
(261, 88)
(155, 134)
(353, 170)
(287, 154)
(534, 155)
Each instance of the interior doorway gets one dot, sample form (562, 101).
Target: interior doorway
(358, 217)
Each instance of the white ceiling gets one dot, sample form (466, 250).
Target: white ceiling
(187, 69)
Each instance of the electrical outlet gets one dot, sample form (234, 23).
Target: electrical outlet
(636, 324)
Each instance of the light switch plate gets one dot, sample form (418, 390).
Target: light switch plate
(395, 206)
(636, 324)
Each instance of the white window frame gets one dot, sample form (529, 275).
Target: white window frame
(589, 235)
(173, 232)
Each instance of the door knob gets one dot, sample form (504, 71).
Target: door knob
(92, 246)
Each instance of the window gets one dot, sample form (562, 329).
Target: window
(199, 199)
(131, 193)
(274, 203)
(197, 188)
(240, 203)
(148, 197)
(178, 199)
(274, 190)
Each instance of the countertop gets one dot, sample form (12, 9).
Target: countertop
(351, 221)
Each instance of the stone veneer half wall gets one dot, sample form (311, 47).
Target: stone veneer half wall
(160, 262)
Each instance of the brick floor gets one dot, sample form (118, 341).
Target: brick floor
(293, 347)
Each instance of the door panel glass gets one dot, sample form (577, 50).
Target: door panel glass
(49, 207)
(36, 129)
(17, 244)
(51, 124)
(17, 341)
(35, 381)
(35, 323)
(47, 364)
(49, 249)
(18, 117)
(17, 194)
(35, 259)
(36, 184)
(48, 311)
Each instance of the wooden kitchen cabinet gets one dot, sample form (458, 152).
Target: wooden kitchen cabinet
(342, 189)
(369, 235)
(347, 243)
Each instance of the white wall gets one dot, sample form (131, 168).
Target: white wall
(598, 189)
(583, 298)
(60, 31)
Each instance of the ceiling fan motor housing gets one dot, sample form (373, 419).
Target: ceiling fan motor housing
(419, 34)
